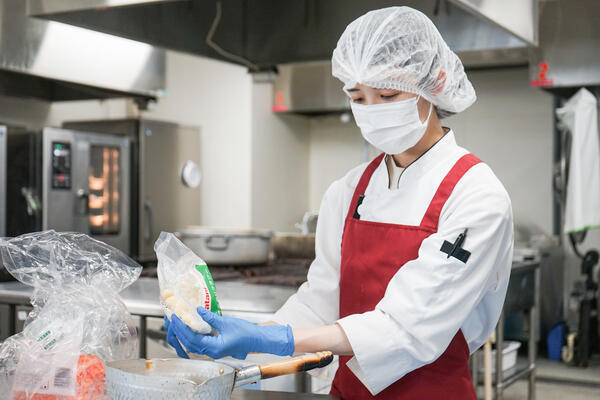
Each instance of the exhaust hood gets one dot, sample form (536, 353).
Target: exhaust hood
(273, 32)
(54, 61)
(568, 57)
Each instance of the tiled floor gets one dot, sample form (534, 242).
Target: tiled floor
(548, 391)
(558, 381)
(560, 371)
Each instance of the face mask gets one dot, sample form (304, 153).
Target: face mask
(391, 127)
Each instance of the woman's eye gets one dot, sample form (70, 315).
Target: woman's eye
(357, 100)
(389, 96)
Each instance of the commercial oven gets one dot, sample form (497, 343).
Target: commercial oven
(165, 177)
(85, 184)
(68, 180)
(2, 180)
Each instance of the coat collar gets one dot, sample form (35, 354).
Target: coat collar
(443, 148)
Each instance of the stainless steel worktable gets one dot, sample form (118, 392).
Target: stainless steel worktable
(253, 302)
(522, 295)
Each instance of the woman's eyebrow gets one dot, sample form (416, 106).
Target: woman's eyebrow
(353, 90)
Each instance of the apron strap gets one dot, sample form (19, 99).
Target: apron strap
(363, 183)
(432, 215)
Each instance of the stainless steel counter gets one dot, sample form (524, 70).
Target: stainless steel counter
(142, 297)
(253, 302)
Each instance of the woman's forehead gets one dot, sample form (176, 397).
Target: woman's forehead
(360, 87)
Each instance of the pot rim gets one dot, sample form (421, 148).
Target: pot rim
(204, 231)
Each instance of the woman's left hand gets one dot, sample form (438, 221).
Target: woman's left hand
(236, 337)
(172, 339)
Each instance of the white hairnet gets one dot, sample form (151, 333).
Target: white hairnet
(400, 48)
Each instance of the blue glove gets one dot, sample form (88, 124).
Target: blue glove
(172, 339)
(236, 338)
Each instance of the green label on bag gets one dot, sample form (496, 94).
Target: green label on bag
(210, 284)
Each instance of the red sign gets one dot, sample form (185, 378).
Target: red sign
(279, 106)
(542, 79)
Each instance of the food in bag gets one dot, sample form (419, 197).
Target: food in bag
(90, 382)
(78, 320)
(185, 283)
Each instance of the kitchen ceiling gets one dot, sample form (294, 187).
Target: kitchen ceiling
(272, 32)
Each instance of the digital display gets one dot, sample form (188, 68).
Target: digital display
(61, 165)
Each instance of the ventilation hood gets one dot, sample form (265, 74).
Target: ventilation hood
(273, 32)
(568, 56)
(54, 61)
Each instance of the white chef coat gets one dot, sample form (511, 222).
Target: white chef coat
(430, 297)
(394, 172)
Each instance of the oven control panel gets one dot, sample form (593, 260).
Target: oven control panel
(61, 165)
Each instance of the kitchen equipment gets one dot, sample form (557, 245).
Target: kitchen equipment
(57, 62)
(485, 30)
(309, 222)
(2, 181)
(23, 181)
(582, 316)
(85, 187)
(226, 246)
(293, 245)
(196, 379)
(68, 180)
(510, 350)
(165, 177)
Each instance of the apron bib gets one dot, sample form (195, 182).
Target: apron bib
(372, 253)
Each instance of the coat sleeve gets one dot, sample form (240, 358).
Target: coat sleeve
(316, 303)
(429, 298)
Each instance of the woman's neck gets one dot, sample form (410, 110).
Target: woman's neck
(432, 135)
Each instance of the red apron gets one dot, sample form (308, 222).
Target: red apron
(372, 253)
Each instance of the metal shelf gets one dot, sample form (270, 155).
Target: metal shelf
(522, 295)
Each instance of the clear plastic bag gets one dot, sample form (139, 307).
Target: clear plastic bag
(185, 283)
(78, 320)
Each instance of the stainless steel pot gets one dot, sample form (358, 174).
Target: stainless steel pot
(176, 378)
(222, 246)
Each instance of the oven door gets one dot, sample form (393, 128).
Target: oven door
(86, 185)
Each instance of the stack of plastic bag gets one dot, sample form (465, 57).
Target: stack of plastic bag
(78, 321)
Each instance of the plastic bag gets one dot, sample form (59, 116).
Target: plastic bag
(78, 319)
(185, 283)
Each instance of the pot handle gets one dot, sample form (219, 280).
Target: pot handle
(255, 373)
(217, 242)
(296, 364)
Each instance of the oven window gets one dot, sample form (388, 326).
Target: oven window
(104, 188)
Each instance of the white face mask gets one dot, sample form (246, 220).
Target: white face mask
(391, 127)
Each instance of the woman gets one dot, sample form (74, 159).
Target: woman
(413, 250)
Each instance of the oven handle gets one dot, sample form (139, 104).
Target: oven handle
(149, 228)
(84, 195)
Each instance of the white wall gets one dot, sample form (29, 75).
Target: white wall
(335, 148)
(280, 154)
(217, 97)
(509, 127)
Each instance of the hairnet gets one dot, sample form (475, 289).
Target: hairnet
(400, 48)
